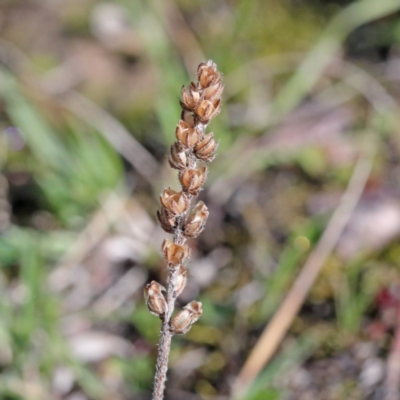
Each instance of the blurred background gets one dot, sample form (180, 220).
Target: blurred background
(307, 181)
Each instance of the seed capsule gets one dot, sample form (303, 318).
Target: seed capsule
(208, 109)
(155, 300)
(174, 253)
(190, 97)
(213, 92)
(192, 179)
(181, 280)
(188, 117)
(183, 321)
(187, 135)
(177, 158)
(167, 220)
(175, 202)
(205, 149)
(196, 220)
(207, 74)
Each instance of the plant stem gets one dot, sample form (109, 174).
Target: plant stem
(164, 345)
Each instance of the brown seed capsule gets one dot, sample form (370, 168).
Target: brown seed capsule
(167, 220)
(207, 74)
(213, 92)
(183, 321)
(208, 109)
(187, 135)
(188, 117)
(174, 253)
(181, 280)
(190, 97)
(175, 202)
(178, 158)
(196, 220)
(205, 149)
(192, 179)
(154, 298)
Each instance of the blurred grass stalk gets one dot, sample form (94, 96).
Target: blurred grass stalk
(66, 168)
(289, 97)
(311, 69)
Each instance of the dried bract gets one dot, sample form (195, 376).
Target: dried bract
(174, 253)
(178, 158)
(183, 321)
(192, 179)
(196, 220)
(155, 300)
(205, 149)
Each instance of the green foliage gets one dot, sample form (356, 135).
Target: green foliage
(138, 371)
(265, 394)
(148, 325)
(354, 295)
(73, 170)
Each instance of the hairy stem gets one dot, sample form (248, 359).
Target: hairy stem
(164, 345)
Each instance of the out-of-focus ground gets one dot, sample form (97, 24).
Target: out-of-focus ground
(88, 107)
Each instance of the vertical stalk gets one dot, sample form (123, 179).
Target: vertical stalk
(200, 103)
(164, 345)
